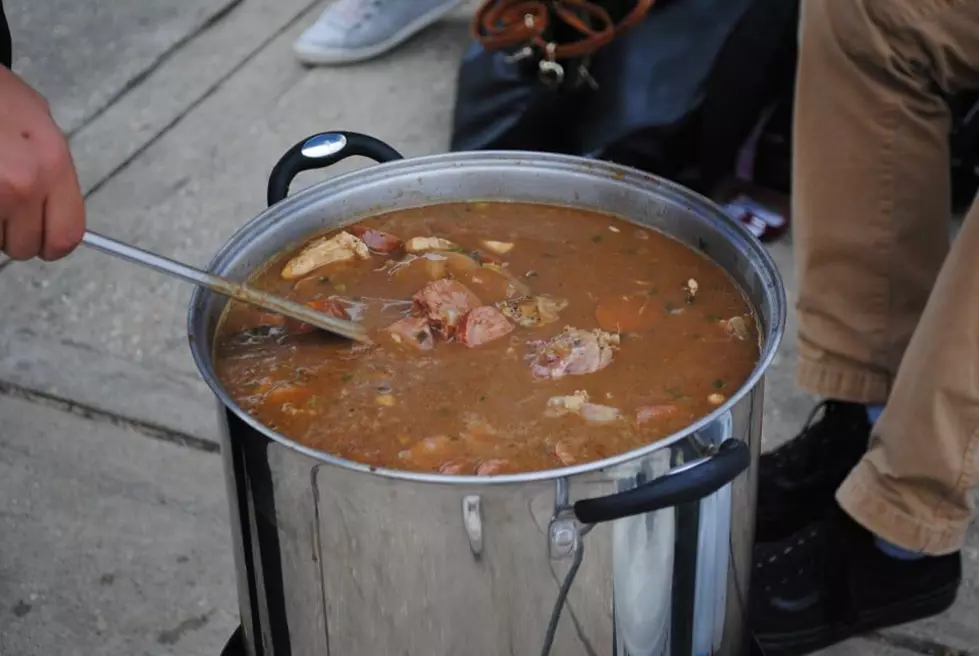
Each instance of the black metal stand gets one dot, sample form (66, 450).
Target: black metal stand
(235, 646)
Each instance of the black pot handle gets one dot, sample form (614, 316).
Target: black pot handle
(322, 150)
(696, 481)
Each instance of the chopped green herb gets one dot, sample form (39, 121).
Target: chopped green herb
(325, 280)
(653, 291)
(445, 412)
(340, 287)
(597, 238)
(347, 378)
(713, 318)
(422, 337)
(548, 255)
(669, 306)
(675, 392)
(717, 384)
(482, 398)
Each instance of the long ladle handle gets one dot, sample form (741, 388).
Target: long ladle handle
(224, 287)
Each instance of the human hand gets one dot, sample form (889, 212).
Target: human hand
(42, 212)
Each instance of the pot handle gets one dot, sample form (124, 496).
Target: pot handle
(697, 480)
(322, 150)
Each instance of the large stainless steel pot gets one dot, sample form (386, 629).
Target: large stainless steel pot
(642, 554)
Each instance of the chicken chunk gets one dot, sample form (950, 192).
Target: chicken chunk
(481, 325)
(422, 244)
(578, 404)
(492, 467)
(515, 286)
(444, 302)
(564, 453)
(338, 248)
(737, 327)
(498, 247)
(435, 265)
(532, 311)
(574, 352)
(558, 406)
(412, 331)
(455, 467)
(599, 414)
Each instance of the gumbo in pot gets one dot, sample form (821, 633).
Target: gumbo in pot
(508, 338)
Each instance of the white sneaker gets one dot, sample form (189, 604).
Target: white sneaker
(356, 30)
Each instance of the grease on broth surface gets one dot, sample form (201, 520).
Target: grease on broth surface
(510, 337)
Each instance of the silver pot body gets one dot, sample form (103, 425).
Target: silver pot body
(335, 559)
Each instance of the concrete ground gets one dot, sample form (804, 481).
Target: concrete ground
(113, 526)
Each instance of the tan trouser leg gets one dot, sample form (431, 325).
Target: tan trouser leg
(871, 210)
(912, 488)
(871, 184)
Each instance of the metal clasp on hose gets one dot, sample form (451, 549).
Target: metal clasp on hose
(562, 534)
(550, 72)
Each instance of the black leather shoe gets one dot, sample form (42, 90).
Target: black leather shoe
(797, 481)
(829, 582)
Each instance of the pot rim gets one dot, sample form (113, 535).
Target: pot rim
(430, 163)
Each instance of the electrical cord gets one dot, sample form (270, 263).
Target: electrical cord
(579, 556)
(562, 595)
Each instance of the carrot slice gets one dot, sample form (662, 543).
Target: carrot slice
(270, 319)
(280, 395)
(626, 313)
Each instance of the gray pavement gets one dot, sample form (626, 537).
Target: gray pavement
(113, 527)
(83, 55)
(112, 543)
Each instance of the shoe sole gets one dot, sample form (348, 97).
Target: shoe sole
(310, 54)
(806, 642)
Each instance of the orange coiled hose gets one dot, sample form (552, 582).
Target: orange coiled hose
(500, 24)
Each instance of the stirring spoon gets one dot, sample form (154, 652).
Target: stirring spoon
(219, 285)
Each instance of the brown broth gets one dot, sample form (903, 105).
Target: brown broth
(480, 410)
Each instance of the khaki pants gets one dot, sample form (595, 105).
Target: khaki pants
(887, 310)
